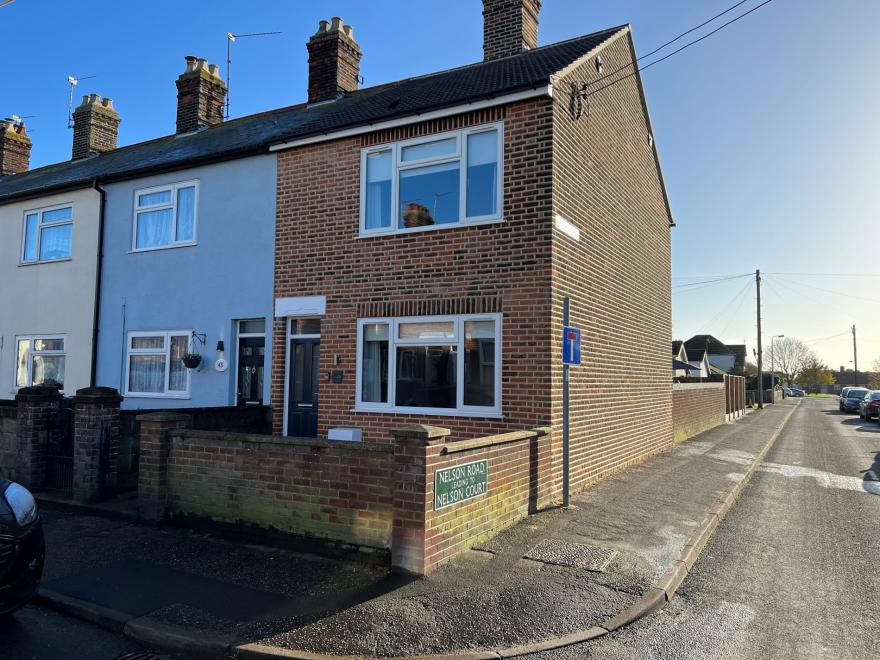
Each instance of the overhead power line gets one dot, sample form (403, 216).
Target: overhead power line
(678, 50)
(723, 278)
(668, 43)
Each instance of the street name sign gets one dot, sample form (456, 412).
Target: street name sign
(460, 483)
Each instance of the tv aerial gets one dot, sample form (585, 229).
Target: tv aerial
(231, 37)
(74, 81)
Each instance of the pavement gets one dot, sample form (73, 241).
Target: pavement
(793, 570)
(556, 579)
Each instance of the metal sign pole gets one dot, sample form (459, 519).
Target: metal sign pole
(565, 448)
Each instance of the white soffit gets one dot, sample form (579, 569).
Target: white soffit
(568, 228)
(300, 306)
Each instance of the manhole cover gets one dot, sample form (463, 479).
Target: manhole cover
(579, 555)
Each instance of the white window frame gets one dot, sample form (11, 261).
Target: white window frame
(173, 188)
(40, 227)
(460, 156)
(460, 410)
(31, 353)
(129, 351)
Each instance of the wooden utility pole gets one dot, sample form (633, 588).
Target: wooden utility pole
(855, 359)
(760, 397)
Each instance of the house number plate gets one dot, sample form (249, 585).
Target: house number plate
(460, 483)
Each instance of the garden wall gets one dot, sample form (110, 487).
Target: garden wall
(8, 426)
(696, 407)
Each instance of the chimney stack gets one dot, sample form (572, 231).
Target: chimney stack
(509, 27)
(201, 95)
(95, 127)
(334, 61)
(15, 147)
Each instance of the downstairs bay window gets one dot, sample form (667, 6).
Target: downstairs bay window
(442, 365)
(449, 179)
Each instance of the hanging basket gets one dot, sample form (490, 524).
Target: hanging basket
(191, 360)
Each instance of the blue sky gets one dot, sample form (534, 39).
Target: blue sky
(767, 130)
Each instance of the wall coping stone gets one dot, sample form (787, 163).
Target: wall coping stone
(38, 393)
(163, 417)
(420, 433)
(288, 441)
(490, 440)
(97, 395)
(697, 386)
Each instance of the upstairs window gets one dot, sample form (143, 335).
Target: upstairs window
(40, 361)
(47, 235)
(165, 216)
(450, 179)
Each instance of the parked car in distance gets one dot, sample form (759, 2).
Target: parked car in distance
(868, 405)
(22, 547)
(843, 396)
(796, 391)
(787, 391)
(854, 396)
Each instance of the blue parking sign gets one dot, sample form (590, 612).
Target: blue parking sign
(571, 346)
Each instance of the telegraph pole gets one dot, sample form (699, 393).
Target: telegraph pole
(760, 362)
(855, 359)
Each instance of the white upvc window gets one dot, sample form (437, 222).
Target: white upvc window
(39, 360)
(443, 180)
(439, 365)
(154, 365)
(47, 235)
(165, 216)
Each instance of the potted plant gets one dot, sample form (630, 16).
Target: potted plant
(191, 360)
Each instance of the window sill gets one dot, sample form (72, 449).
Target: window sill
(155, 395)
(436, 412)
(43, 263)
(416, 230)
(163, 247)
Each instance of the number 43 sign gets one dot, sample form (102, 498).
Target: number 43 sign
(571, 345)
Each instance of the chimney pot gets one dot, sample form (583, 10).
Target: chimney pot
(95, 127)
(15, 148)
(509, 27)
(201, 95)
(334, 61)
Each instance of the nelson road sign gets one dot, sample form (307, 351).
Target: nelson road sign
(460, 483)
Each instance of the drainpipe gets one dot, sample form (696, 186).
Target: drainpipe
(98, 269)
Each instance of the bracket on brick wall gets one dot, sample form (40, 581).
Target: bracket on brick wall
(578, 104)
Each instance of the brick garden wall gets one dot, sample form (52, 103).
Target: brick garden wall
(519, 483)
(696, 408)
(502, 267)
(328, 490)
(8, 426)
(607, 183)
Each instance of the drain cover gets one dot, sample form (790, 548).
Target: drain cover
(579, 555)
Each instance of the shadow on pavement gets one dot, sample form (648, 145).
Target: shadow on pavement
(871, 480)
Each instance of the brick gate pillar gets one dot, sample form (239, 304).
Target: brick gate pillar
(38, 408)
(95, 443)
(415, 449)
(155, 449)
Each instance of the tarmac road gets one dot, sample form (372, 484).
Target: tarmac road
(794, 569)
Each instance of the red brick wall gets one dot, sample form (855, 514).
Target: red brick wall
(696, 407)
(607, 183)
(503, 267)
(519, 483)
(328, 490)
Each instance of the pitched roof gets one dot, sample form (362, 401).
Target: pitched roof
(717, 347)
(676, 346)
(253, 134)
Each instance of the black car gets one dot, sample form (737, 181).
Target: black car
(868, 406)
(22, 547)
(850, 401)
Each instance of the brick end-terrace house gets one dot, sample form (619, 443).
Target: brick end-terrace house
(428, 231)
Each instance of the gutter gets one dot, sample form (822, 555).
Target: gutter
(470, 106)
(98, 269)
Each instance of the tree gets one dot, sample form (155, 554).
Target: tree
(814, 374)
(787, 357)
(874, 375)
